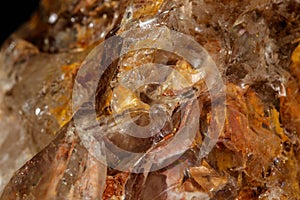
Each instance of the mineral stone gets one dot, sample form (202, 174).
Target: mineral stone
(166, 99)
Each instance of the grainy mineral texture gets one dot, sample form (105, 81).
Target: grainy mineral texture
(200, 99)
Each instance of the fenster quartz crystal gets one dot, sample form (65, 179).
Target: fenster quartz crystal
(167, 99)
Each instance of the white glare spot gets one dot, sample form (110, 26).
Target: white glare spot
(102, 34)
(91, 25)
(52, 18)
(37, 111)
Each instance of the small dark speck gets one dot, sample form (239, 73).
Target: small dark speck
(128, 15)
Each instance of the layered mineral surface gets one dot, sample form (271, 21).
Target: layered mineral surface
(166, 99)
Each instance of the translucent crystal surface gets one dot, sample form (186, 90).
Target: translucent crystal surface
(159, 87)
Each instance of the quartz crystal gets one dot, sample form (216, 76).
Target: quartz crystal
(200, 99)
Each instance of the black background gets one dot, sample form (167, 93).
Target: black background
(13, 14)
